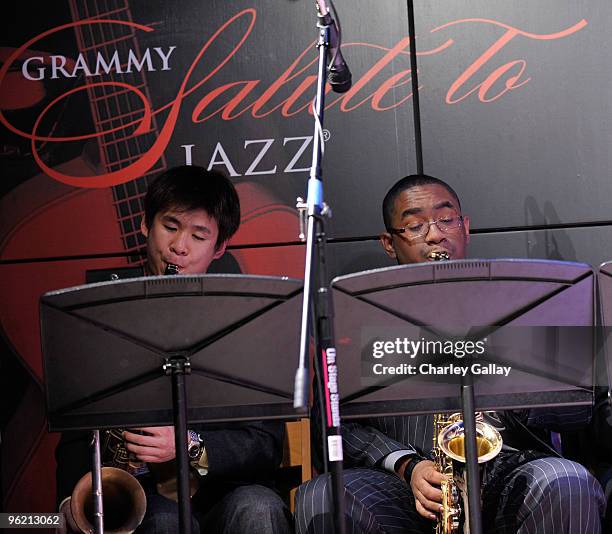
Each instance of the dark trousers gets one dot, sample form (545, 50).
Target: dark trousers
(251, 509)
(541, 496)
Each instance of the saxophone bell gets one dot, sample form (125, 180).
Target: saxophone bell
(123, 497)
(124, 500)
(451, 440)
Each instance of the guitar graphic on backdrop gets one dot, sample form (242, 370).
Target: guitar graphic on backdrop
(43, 218)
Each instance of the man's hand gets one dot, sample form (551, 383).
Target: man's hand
(425, 483)
(154, 445)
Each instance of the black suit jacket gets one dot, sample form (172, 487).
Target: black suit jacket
(238, 454)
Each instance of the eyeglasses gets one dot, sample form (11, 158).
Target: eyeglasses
(446, 224)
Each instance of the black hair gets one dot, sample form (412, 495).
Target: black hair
(190, 187)
(408, 182)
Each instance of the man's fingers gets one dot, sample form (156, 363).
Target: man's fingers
(145, 429)
(424, 512)
(432, 493)
(433, 476)
(428, 481)
(151, 448)
(142, 450)
(139, 439)
(425, 482)
(428, 504)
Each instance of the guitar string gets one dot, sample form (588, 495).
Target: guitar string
(100, 103)
(139, 185)
(120, 144)
(123, 96)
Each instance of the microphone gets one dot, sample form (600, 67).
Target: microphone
(339, 76)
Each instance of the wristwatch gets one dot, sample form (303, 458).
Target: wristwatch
(195, 446)
(416, 459)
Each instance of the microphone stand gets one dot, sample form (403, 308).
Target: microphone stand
(314, 211)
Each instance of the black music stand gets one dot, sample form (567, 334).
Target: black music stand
(536, 317)
(116, 354)
(604, 280)
(603, 372)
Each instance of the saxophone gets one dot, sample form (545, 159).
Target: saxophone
(124, 498)
(449, 458)
(448, 454)
(449, 519)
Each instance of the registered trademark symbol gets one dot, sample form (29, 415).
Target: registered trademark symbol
(326, 134)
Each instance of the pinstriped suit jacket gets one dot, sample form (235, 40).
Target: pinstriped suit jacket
(366, 443)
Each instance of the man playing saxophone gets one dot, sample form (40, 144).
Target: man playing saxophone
(392, 484)
(190, 215)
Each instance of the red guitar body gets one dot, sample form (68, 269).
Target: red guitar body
(46, 219)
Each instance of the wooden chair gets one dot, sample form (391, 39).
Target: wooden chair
(296, 454)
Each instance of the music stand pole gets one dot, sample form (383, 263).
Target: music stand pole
(471, 454)
(177, 366)
(323, 328)
(467, 388)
